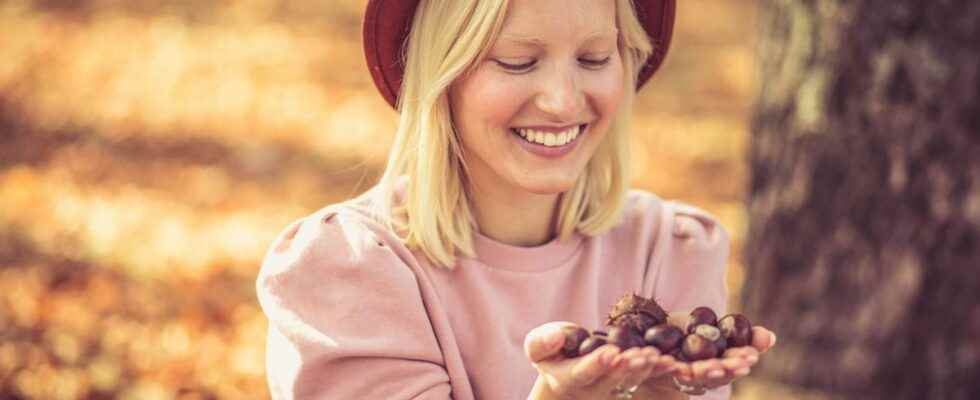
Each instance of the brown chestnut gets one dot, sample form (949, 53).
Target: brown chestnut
(696, 348)
(664, 337)
(574, 335)
(701, 316)
(678, 355)
(714, 335)
(591, 343)
(736, 329)
(625, 338)
(639, 321)
(633, 304)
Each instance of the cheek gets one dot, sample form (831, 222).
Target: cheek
(489, 103)
(607, 91)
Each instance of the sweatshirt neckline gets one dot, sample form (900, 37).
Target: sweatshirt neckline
(499, 255)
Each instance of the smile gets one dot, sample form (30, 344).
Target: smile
(550, 139)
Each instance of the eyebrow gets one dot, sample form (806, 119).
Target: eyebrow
(528, 41)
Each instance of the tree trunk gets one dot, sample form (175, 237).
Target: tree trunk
(864, 252)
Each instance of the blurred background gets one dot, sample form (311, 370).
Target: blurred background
(150, 150)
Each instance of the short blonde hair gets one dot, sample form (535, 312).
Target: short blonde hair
(447, 39)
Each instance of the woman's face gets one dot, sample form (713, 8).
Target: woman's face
(532, 113)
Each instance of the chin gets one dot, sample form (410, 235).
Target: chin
(550, 186)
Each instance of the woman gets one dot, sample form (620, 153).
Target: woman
(503, 214)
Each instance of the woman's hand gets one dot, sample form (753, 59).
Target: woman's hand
(735, 363)
(596, 375)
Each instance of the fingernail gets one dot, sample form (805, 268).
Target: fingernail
(773, 339)
(716, 374)
(637, 362)
(742, 371)
(752, 358)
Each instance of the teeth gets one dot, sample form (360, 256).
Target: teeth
(548, 138)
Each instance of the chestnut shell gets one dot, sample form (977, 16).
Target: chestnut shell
(640, 322)
(633, 304)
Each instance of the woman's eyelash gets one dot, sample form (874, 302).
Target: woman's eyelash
(528, 65)
(517, 67)
(596, 63)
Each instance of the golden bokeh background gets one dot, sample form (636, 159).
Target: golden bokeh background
(150, 151)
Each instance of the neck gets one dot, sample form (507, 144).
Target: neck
(514, 216)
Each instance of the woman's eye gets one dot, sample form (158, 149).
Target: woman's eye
(517, 67)
(595, 63)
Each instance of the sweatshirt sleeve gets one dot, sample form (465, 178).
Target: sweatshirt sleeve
(346, 317)
(691, 269)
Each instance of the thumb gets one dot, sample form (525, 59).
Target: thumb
(545, 341)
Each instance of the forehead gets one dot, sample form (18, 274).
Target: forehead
(543, 21)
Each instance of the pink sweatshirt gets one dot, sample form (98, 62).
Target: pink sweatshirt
(354, 314)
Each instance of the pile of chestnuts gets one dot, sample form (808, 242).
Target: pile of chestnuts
(636, 321)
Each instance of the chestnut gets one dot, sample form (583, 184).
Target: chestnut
(696, 348)
(640, 322)
(701, 316)
(714, 335)
(574, 335)
(736, 329)
(591, 343)
(625, 338)
(664, 337)
(633, 304)
(678, 355)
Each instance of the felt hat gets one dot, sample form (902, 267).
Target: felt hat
(387, 24)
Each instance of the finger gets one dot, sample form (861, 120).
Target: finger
(700, 369)
(742, 372)
(641, 366)
(594, 365)
(733, 363)
(713, 375)
(683, 371)
(544, 341)
(750, 354)
(762, 339)
(634, 359)
(663, 365)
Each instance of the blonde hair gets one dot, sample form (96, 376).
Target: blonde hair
(447, 38)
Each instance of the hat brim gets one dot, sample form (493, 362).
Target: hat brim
(387, 24)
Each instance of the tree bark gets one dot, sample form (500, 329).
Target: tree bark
(864, 204)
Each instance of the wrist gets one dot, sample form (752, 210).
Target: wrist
(660, 388)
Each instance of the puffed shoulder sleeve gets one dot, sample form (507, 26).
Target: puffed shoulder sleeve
(346, 317)
(690, 270)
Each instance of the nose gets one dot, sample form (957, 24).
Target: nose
(560, 95)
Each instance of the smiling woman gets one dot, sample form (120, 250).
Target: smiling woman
(462, 69)
(504, 211)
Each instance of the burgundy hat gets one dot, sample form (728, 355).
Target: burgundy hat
(387, 24)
